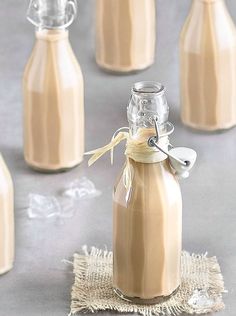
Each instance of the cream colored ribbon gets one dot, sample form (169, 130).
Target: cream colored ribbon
(135, 149)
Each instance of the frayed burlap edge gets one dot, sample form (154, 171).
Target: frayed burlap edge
(81, 300)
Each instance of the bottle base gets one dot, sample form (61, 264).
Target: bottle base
(6, 269)
(52, 170)
(209, 129)
(123, 71)
(141, 301)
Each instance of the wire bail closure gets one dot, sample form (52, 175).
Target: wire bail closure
(153, 142)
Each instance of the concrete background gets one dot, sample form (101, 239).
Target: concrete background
(40, 283)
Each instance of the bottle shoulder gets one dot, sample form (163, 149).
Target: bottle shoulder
(52, 62)
(148, 180)
(207, 32)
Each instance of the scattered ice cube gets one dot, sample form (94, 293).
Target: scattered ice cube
(63, 207)
(200, 299)
(41, 206)
(46, 207)
(81, 189)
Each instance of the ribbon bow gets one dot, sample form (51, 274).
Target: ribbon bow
(135, 149)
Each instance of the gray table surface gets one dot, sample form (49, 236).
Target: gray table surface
(40, 283)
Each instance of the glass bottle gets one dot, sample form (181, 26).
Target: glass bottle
(53, 91)
(147, 217)
(208, 67)
(7, 242)
(125, 34)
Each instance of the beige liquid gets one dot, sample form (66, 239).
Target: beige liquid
(6, 219)
(147, 232)
(125, 34)
(208, 67)
(53, 104)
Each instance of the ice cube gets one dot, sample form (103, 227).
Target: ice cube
(81, 189)
(41, 206)
(200, 299)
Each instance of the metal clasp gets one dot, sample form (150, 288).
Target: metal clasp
(153, 142)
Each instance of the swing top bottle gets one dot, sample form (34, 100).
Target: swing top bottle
(53, 91)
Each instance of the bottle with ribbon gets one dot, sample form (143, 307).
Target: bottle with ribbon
(53, 91)
(147, 202)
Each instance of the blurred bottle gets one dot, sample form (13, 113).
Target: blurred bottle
(125, 34)
(53, 91)
(208, 67)
(7, 242)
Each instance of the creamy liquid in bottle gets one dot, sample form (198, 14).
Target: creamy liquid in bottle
(53, 103)
(208, 67)
(147, 232)
(7, 242)
(125, 34)
(147, 218)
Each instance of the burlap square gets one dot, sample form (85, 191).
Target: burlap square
(200, 291)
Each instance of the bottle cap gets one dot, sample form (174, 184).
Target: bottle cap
(52, 14)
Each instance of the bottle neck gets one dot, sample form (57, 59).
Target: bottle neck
(217, 8)
(209, 1)
(212, 3)
(51, 35)
(141, 134)
(147, 103)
